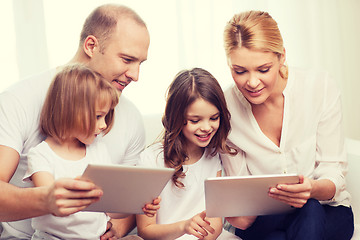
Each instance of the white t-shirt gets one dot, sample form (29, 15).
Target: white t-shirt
(312, 141)
(81, 225)
(182, 204)
(20, 108)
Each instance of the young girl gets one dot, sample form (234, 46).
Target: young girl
(79, 106)
(196, 124)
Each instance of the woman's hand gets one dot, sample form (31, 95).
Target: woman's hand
(198, 226)
(295, 195)
(150, 209)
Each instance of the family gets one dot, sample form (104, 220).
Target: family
(275, 119)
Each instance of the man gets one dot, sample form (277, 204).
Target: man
(114, 42)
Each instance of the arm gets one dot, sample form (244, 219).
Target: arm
(62, 198)
(119, 227)
(199, 225)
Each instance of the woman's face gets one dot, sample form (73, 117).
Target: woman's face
(256, 73)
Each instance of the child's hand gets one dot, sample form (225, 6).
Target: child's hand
(150, 209)
(198, 226)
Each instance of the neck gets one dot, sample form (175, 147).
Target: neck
(71, 149)
(194, 154)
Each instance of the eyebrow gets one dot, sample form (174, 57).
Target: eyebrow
(263, 65)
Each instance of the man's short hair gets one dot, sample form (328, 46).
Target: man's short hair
(102, 21)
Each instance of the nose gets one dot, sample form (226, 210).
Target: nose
(205, 126)
(133, 72)
(102, 124)
(253, 81)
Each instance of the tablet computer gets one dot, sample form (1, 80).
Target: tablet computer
(244, 195)
(126, 188)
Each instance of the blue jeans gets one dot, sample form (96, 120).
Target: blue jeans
(311, 222)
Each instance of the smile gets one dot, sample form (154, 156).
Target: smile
(121, 83)
(205, 137)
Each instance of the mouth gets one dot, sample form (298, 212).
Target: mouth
(254, 93)
(203, 137)
(119, 85)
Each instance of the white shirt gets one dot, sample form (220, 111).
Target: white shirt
(182, 204)
(312, 141)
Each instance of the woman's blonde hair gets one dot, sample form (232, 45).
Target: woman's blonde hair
(255, 30)
(70, 105)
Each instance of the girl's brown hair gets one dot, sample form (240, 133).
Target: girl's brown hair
(70, 105)
(255, 30)
(188, 86)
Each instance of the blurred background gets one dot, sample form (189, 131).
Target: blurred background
(318, 34)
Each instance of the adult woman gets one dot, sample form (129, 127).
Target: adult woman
(285, 121)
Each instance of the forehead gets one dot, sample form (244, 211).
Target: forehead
(245, 57)
(201, 107)
(129, 38)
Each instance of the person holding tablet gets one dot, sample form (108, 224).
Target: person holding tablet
(285, 120)
(196, 124)
(114, 42)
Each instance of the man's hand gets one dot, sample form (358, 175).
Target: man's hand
(67, 196)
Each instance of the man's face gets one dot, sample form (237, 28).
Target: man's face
(119, 61)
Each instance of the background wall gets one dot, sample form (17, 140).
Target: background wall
(322, 34)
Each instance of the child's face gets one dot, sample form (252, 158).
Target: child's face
(203, 120)
(100, 125)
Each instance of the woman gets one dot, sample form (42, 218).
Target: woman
(285, 121)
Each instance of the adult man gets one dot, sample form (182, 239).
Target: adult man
(114, 42)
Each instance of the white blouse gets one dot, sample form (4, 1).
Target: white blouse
(312, 141)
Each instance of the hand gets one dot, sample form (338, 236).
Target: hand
(150, 209)
(198, 226)
(295, 195)
(241, 222)
(67, 196)
(109, 233)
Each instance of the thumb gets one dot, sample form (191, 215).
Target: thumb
(301, 179)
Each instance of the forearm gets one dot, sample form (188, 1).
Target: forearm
(322, 189)
(21, 203)
(124, 225)
(162, 231)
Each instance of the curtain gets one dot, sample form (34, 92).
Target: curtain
(320, 34)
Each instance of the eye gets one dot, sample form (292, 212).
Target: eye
(98, 117)
(193, 121)
(264, 70)
(215, 118)
(240, 72)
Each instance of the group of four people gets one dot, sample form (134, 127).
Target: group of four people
(274, 120)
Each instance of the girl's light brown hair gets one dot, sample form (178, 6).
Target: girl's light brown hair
(70, 105)
(255, 30)
(188, 86)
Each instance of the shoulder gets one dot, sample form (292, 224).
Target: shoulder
(152, 156)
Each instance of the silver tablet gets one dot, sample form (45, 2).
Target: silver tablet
(244, 195)
(126, 188)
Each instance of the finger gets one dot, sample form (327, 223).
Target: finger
(198, 225)
(107, 235)
(157, 200)
(75, 184)
(295, 202)
(151, 207)
(62, 193)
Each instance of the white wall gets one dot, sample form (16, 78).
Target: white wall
(38, 34)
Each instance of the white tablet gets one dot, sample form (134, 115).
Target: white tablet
(244, 195)
(126, 188)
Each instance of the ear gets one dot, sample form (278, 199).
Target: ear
(283, 57)
(90, 45)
